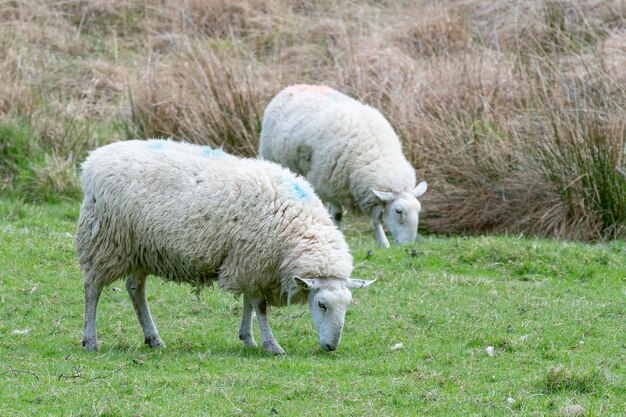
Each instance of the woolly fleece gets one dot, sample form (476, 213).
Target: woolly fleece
(193, 214)
(344, 148)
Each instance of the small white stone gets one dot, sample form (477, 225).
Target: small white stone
(397, 346)
(524, 337)
(490, 350)
(572, 410)
(510, 400)
(20, 331)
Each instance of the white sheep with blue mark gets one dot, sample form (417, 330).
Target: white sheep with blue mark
(197, 215)
(350, 154)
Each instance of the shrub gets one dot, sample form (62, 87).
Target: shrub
(15, 151)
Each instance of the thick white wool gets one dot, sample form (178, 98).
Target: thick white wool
(344, 148)
(193, 214)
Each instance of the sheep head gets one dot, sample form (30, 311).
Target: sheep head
(401, 212)
(328, 300)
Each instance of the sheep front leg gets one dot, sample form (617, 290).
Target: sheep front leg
(269, 342)
(136, 287)
(245, 331)
(92, 295)
(381, 238)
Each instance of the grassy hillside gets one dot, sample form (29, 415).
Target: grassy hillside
(513, 111)
(416, 342)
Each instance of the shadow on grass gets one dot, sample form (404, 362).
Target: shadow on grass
(180, 348)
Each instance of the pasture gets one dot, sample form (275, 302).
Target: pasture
(416, 342)
(512, 111)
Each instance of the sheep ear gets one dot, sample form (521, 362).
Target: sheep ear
(420, 189)
(306, 283)
(384, 195)
(358, 283)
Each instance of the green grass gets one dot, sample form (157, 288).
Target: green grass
(553, 311)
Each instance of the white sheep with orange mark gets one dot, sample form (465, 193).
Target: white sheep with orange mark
(350, 154)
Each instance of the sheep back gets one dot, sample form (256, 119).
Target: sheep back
(193, 214)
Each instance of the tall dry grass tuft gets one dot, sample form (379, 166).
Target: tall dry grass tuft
(586, 134)
(207, 100)
(547, 166)
(54, 177)
(228, 107)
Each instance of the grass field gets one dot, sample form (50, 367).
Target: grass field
(415, 343)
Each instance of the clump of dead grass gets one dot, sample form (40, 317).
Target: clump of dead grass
(206, 100)
(545, 164)
(561, 379)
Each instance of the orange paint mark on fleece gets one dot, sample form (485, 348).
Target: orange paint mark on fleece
(304, 88)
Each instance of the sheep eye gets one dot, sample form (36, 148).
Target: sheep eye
(322, 305)
(398, 210)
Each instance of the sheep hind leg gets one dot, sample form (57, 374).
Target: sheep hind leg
(269, 342)
(245, 331)
(336, 212)
(92, 295)
(136, 287)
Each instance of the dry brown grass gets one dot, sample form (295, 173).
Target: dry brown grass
(513, 111)
(205, 100)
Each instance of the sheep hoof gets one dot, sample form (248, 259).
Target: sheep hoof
(91, 345)
(248, 341)
(154, 342)
(273, 347)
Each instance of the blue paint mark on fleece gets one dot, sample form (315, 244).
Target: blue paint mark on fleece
(300, 191)
(214, 153)
(155, 145)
